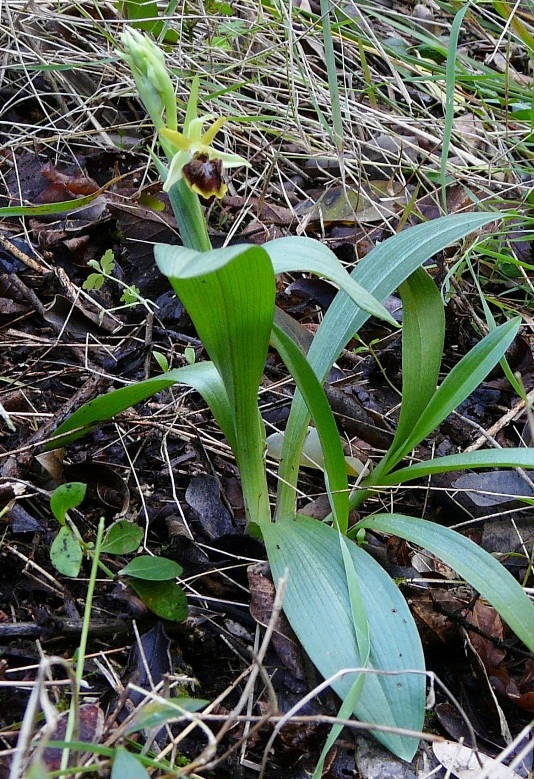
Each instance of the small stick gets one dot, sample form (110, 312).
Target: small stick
(501, 423)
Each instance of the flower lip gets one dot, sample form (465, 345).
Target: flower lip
(204, 176)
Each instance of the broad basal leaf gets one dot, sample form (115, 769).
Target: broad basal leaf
(484, 458)
(423, 333)
(294, 253)
(487, 576)
(335, 466)
(458, 385)
(380, 272)
(203, 377)
(229, 295)
(318, 606)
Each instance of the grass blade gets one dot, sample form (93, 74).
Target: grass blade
(449, 99)
(333, 86)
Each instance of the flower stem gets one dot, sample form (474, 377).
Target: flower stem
(189, 217)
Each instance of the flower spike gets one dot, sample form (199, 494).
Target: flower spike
(152, 79)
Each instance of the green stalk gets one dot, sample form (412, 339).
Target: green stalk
(250, 458)
(73, 712)
(189, 217)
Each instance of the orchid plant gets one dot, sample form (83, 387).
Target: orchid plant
(348, 613)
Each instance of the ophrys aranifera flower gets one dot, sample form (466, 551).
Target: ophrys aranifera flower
(195, 159)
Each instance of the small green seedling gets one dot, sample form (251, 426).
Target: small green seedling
(68, 547)
(104, 268)
(190, 355)
(152, 578)
(161, 360)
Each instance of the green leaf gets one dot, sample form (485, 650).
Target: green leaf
(166, 599)
(423, 334)
(294, 253)
(93, 281)
(66, 497)
(484, 458)
(451, 105)
(107, 262)
(155, 715)
(127, 765)
(202, 376)
(65, 206)
(131, 294)
(319, 609)
(456, 387)
(297, 332)
(380, 272)
(122, 537)
(139, 10)
(487, 576)
(229, 294)
(152, 569)
(66, 554)
(144, 16)
(313, 394)
(161, 360)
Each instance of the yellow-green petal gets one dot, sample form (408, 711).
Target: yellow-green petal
(177, 138)
(209, 135)
(175, 169)
(229, 160)
(194, 128)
